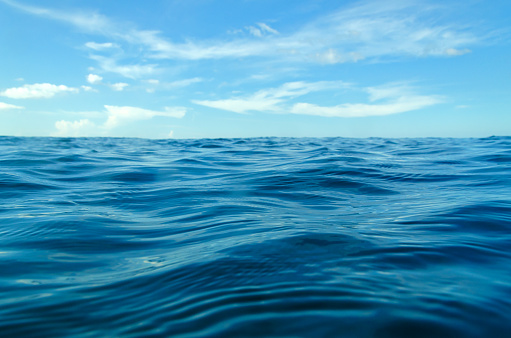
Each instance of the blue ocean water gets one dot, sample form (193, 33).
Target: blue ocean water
(255, 237)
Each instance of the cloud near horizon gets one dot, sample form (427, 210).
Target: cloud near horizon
(6, 106)
(392, 99)
(36, 91)
(82, 127)
(116, 116)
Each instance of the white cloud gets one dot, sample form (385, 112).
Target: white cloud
(88, 89)
(5, 106)
(83, 127)
(90, 22)
(367, 30)
(265, 28)
(94, 79)
(391, 99)
(100, 46)
(119, 86)
(260, 30)
(332, 56)
(117, 115)
(37, 90)
(399, 105)
(269, 100)
(130, 71)
(154, 84)
(396, 97)
(242, 106)
(456, 52)
(254, 31)
(185, 82)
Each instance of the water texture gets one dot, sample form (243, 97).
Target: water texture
(255, 237)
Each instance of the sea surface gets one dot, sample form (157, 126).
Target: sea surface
(287, 237)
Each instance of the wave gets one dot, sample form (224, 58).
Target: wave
(255, 237)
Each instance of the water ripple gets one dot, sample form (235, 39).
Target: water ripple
(255, 237)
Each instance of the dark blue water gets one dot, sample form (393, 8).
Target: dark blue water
(255, 237)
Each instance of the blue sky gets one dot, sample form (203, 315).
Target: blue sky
(249, 68)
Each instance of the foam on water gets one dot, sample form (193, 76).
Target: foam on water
(255, 237)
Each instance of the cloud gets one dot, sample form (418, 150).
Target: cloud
(366, 30)
(384, 100)
(184, 83)
(242, 106)
(254, 31)
(119, 86)
(265, 28)
(397, 98)
(399, 105)
(90, 22)
(100, 46)
(83, 127)
(260, 30)
(332, 56)
(88, 89)
(94, 79)
(132, 71)
(118, 115)
(37, 90)
(369, 30)
(154, 84)
(6, 106)
(455, 52)
(269, 100)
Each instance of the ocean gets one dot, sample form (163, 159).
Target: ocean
(287, 237)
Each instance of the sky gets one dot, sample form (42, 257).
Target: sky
(255, 68)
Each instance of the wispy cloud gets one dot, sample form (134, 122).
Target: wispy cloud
(36, 91)
(88, 89)
(383, 100)
(132, 71)
(153, 84)
(270, 100)
(119, 87)
(89, 22)
(118, 115)
(261, 29)
(6, 106)
(455, 52)
(100, 46)
(367, 30)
